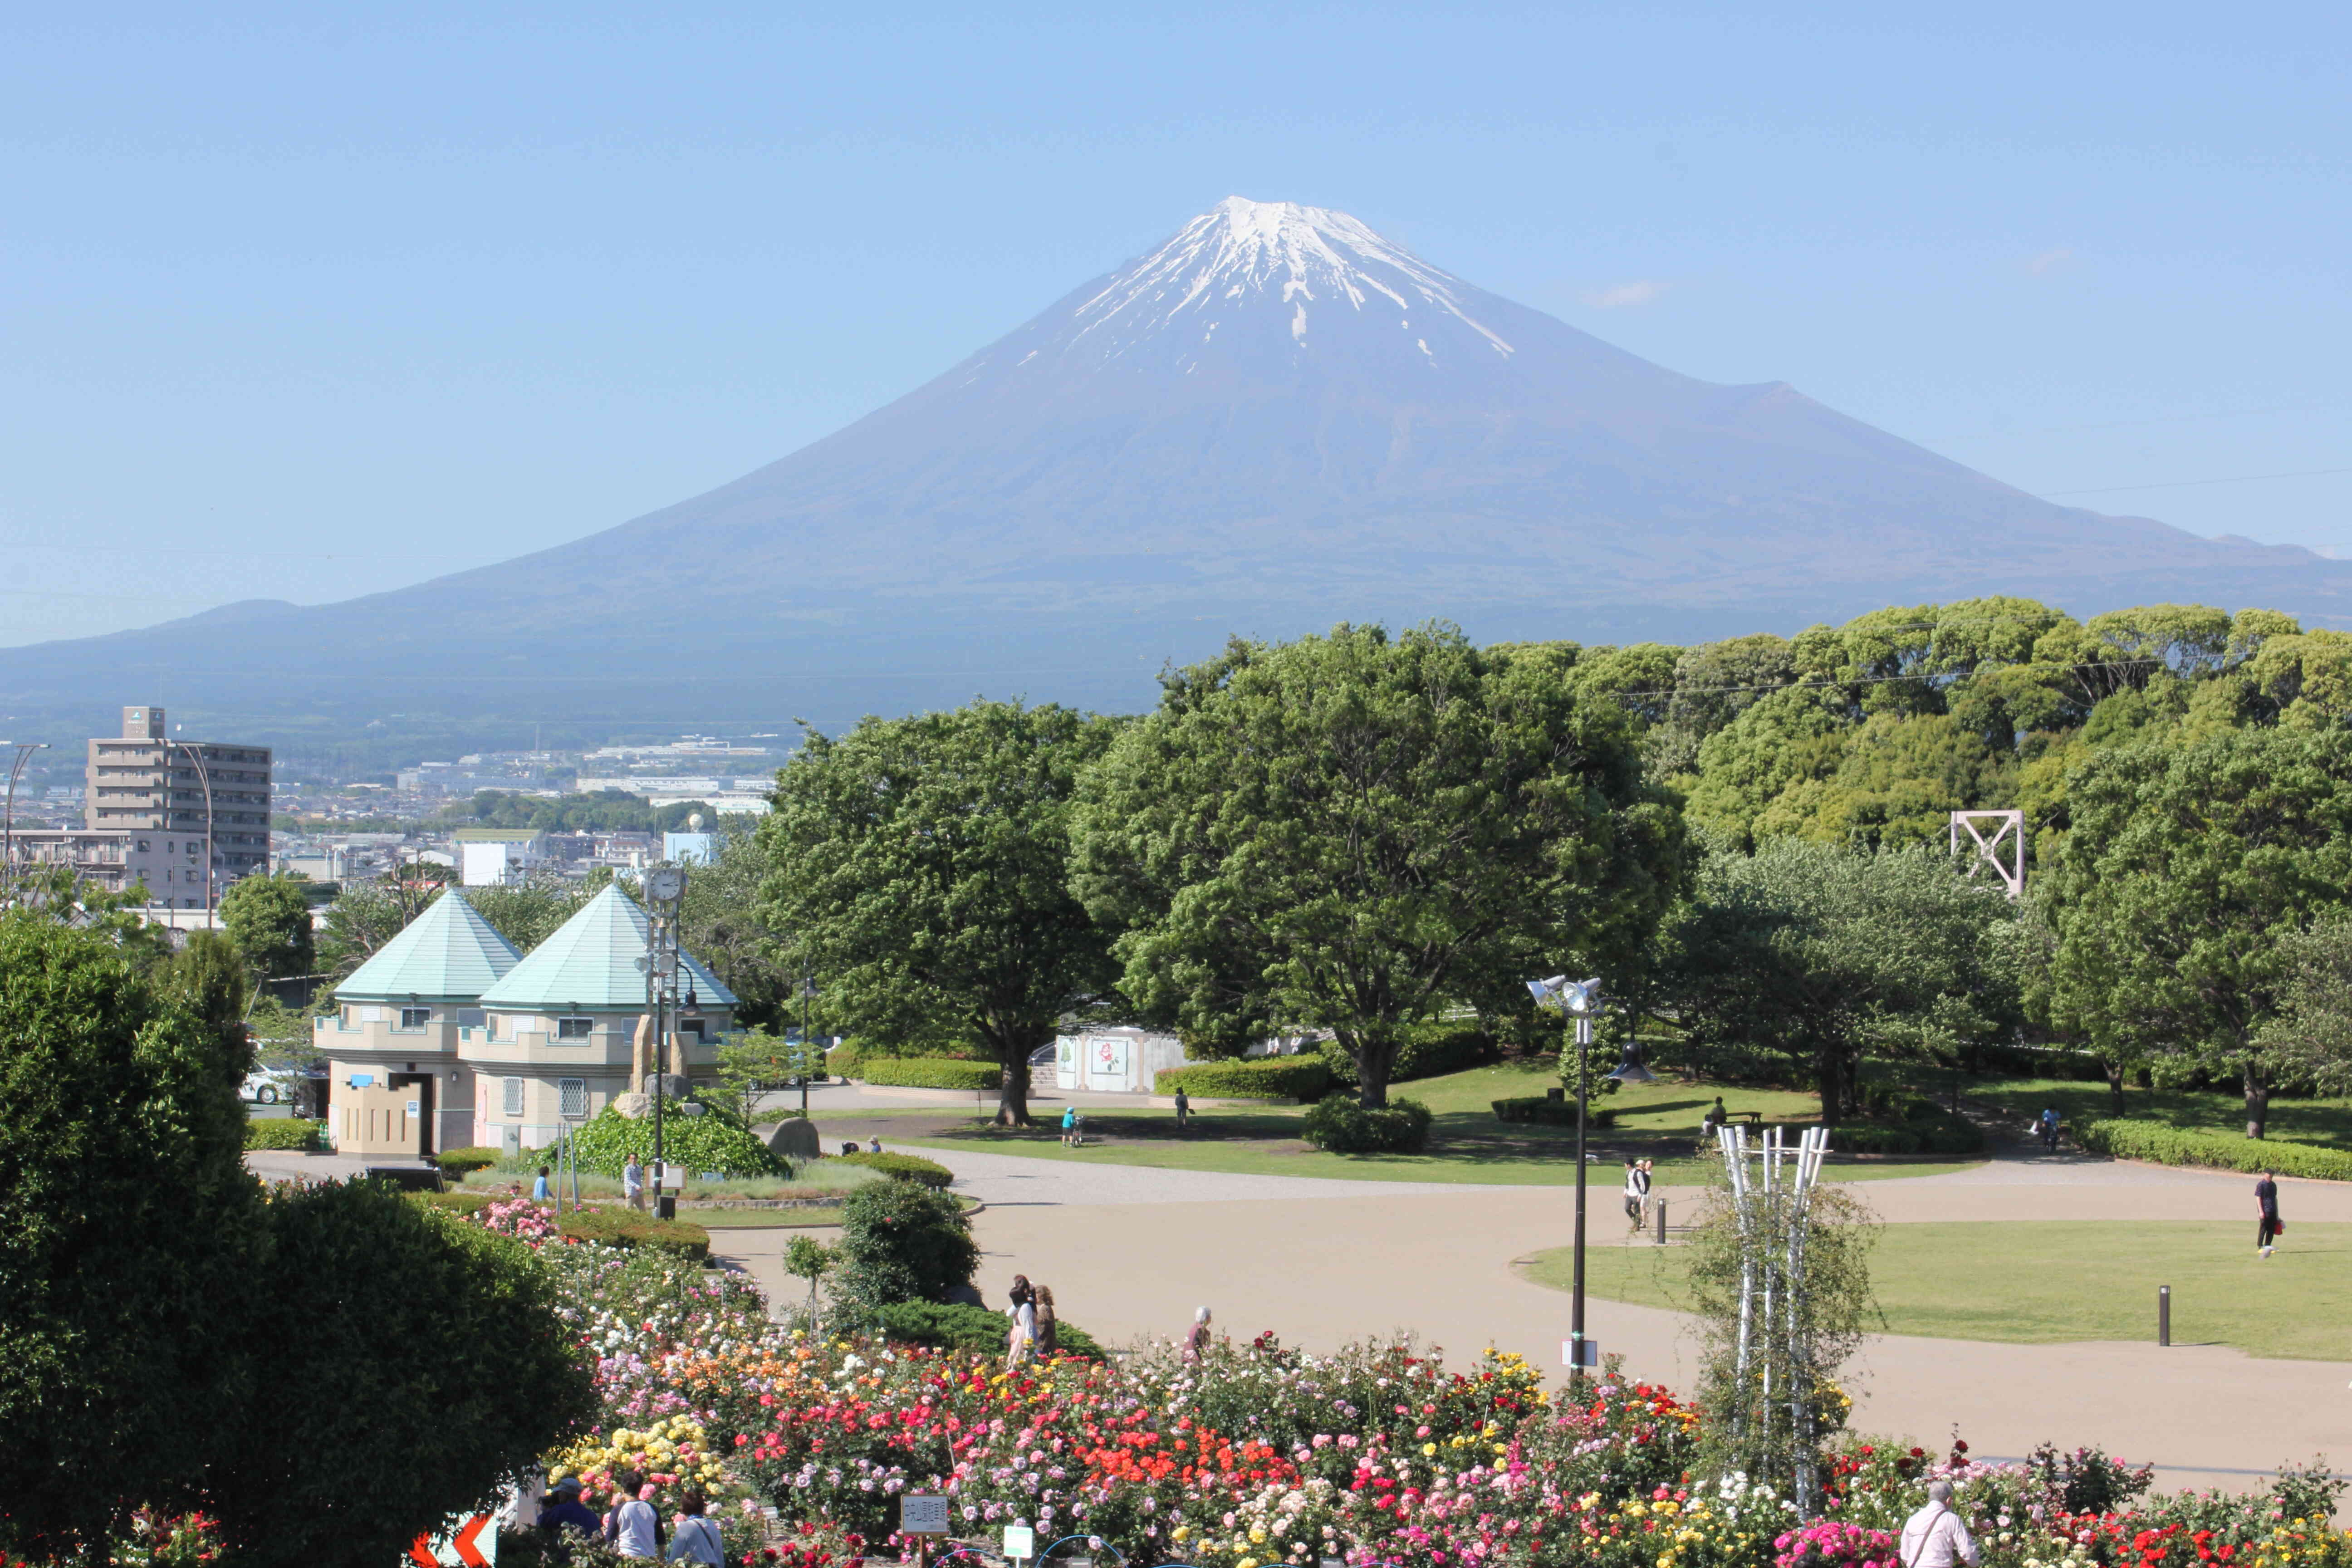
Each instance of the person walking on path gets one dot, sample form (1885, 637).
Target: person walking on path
(2266, 1231)
(1934, 1537)
(634, 1526)
(1637, 1191)
(1042, 1298)
(539, 1189)
(1196, 1339)
(2049, 1127)
(633, 1184)
(1183, 1109)
(697, 1539)
(1070, 1125)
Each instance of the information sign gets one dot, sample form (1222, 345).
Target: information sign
(1020, 1543)
(920, 1514)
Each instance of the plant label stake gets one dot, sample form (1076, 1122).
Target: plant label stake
(2164, 1315)
(1020, 1543)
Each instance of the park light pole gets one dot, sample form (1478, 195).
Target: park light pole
(665, 888)
(1580, 1000)
(24, 750)
(205, 779)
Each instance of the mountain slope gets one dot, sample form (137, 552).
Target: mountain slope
(1275, 421)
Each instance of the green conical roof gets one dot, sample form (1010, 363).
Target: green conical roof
(590, 964)
(448, 954)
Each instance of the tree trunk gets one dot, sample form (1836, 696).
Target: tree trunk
(1374, 1056)
(2258, 1098)
(2115, 1070)
(1013, 1090)
(1829, 1079)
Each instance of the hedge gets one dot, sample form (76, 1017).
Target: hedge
(1429, 1050)
(1550, 1113)
(904, 1167)
(2158, 1143)
(1936, 1132)
(850, 1058)
(1305, 1079)
(1341, 1124)
(958, 1326)
(458, 1162)
(463, 1204)
(285, 1133)
(929, 1072)
(698, 1142)
(2038, 1061)
(627, 1227)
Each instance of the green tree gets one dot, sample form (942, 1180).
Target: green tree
(721, 924)
(1816, 953)
(449, 1368)
(2309, 1038)
(1351, 832)
(2185, 867)
(922, 865)
(805, 1257)
(369, 914)
(755, 1061)
(128, 1237)
(268, 917)
(525, 914)
(901, 1242)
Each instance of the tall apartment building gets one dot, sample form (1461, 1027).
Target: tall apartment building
(146, 786)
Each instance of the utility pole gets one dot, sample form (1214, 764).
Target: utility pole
(24, 750)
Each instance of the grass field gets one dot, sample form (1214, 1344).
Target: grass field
(2047, 1282)
(1655, 1121)
(2326, 1122)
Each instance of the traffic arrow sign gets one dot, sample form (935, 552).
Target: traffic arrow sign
(467, 1553)
(468, 1546)
(420, 1552)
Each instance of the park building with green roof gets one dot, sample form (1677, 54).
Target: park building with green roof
(448, 1037)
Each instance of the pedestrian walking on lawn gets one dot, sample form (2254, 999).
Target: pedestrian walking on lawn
(697, 1539)
(2269, 1227)
(633, 1184)
(634, 1527)
(1070, 1125)
(1934, 1537)
(1044, 1326)
(1196, 1339)
(539, 1189)
(1637, 1191)
(1183, 1109)
(2049, 1127)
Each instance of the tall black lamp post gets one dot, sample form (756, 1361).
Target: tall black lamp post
(1581, 1000)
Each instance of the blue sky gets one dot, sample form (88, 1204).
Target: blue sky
(304, 302)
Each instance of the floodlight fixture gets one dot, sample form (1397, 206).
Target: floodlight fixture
(1574, 996)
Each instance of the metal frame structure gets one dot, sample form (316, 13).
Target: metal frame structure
(2008, 832)
(1772, 1206)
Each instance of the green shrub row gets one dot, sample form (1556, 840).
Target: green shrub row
(904, 1167)
(701, 1143)
(1341, 1124)
(2154, 1142)
(958, 1326)
(1550, 1113)
(627, 1227)
(1305, 1079)
(1936, 1132)
(460, 1162)
(1430, 1051)
(849, 1059)
(928, 1072)
(286, 1132)
(2038, 1061)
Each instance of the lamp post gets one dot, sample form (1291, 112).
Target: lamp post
(808, 990)
(665, 885)
(205, 779)
(24, 750)
(1580, 1000)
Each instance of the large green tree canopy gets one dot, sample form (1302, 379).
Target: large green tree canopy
(920, 868)
(1352, 831)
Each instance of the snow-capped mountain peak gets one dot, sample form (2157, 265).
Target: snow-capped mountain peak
(1307, 268)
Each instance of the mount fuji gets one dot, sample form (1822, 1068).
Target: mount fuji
(1275, 421)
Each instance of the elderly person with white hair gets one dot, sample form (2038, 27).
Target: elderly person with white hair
(1936, 1537)
(1196, 1338)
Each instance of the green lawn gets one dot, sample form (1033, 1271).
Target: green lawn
(2326, 1122)
(2045, 1282)
(1657, 1122)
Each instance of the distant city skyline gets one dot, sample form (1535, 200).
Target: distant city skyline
(302, 307)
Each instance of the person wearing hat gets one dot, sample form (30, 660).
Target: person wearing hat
(565, 1508)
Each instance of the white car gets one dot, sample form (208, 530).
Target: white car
(268, 1086)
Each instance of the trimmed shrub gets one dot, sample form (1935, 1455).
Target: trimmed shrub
(960, 1326)
(901, 1242)
(1305, 1079)
(698, 1142)
(627, 1227)
(2127, 1139)
(460, 1162)
(1550, 1113)
(463, 1204)
(1925, 1128)
(1339, 1124)
(286, 1132)
(928, 1072)
(851, 1058)
(904, 1167)
(1430, 1051)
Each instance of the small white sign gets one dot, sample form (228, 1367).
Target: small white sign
(1020, 1543)
(1568, 1356)
(416, 1108)
(922, 1515)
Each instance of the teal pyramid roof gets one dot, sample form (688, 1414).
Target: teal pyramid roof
(590, 963)
(448, 954)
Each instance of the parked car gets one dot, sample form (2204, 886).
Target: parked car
(268, 1086)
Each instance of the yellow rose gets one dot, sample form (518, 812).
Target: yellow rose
(1257, 1536)
(1183, 1533)
(1427, 1449)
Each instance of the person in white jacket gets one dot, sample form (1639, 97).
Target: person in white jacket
(1934, 1537)
(1637, 1191)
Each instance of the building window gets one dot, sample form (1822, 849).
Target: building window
(574, 1029)
(692, 1027)
(416, 1017)
(514, 1096)
(575, 1092)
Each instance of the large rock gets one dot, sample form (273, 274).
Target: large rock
(795, 1140)
(633, 1106)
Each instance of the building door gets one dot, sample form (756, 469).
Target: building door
(417, 1089)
